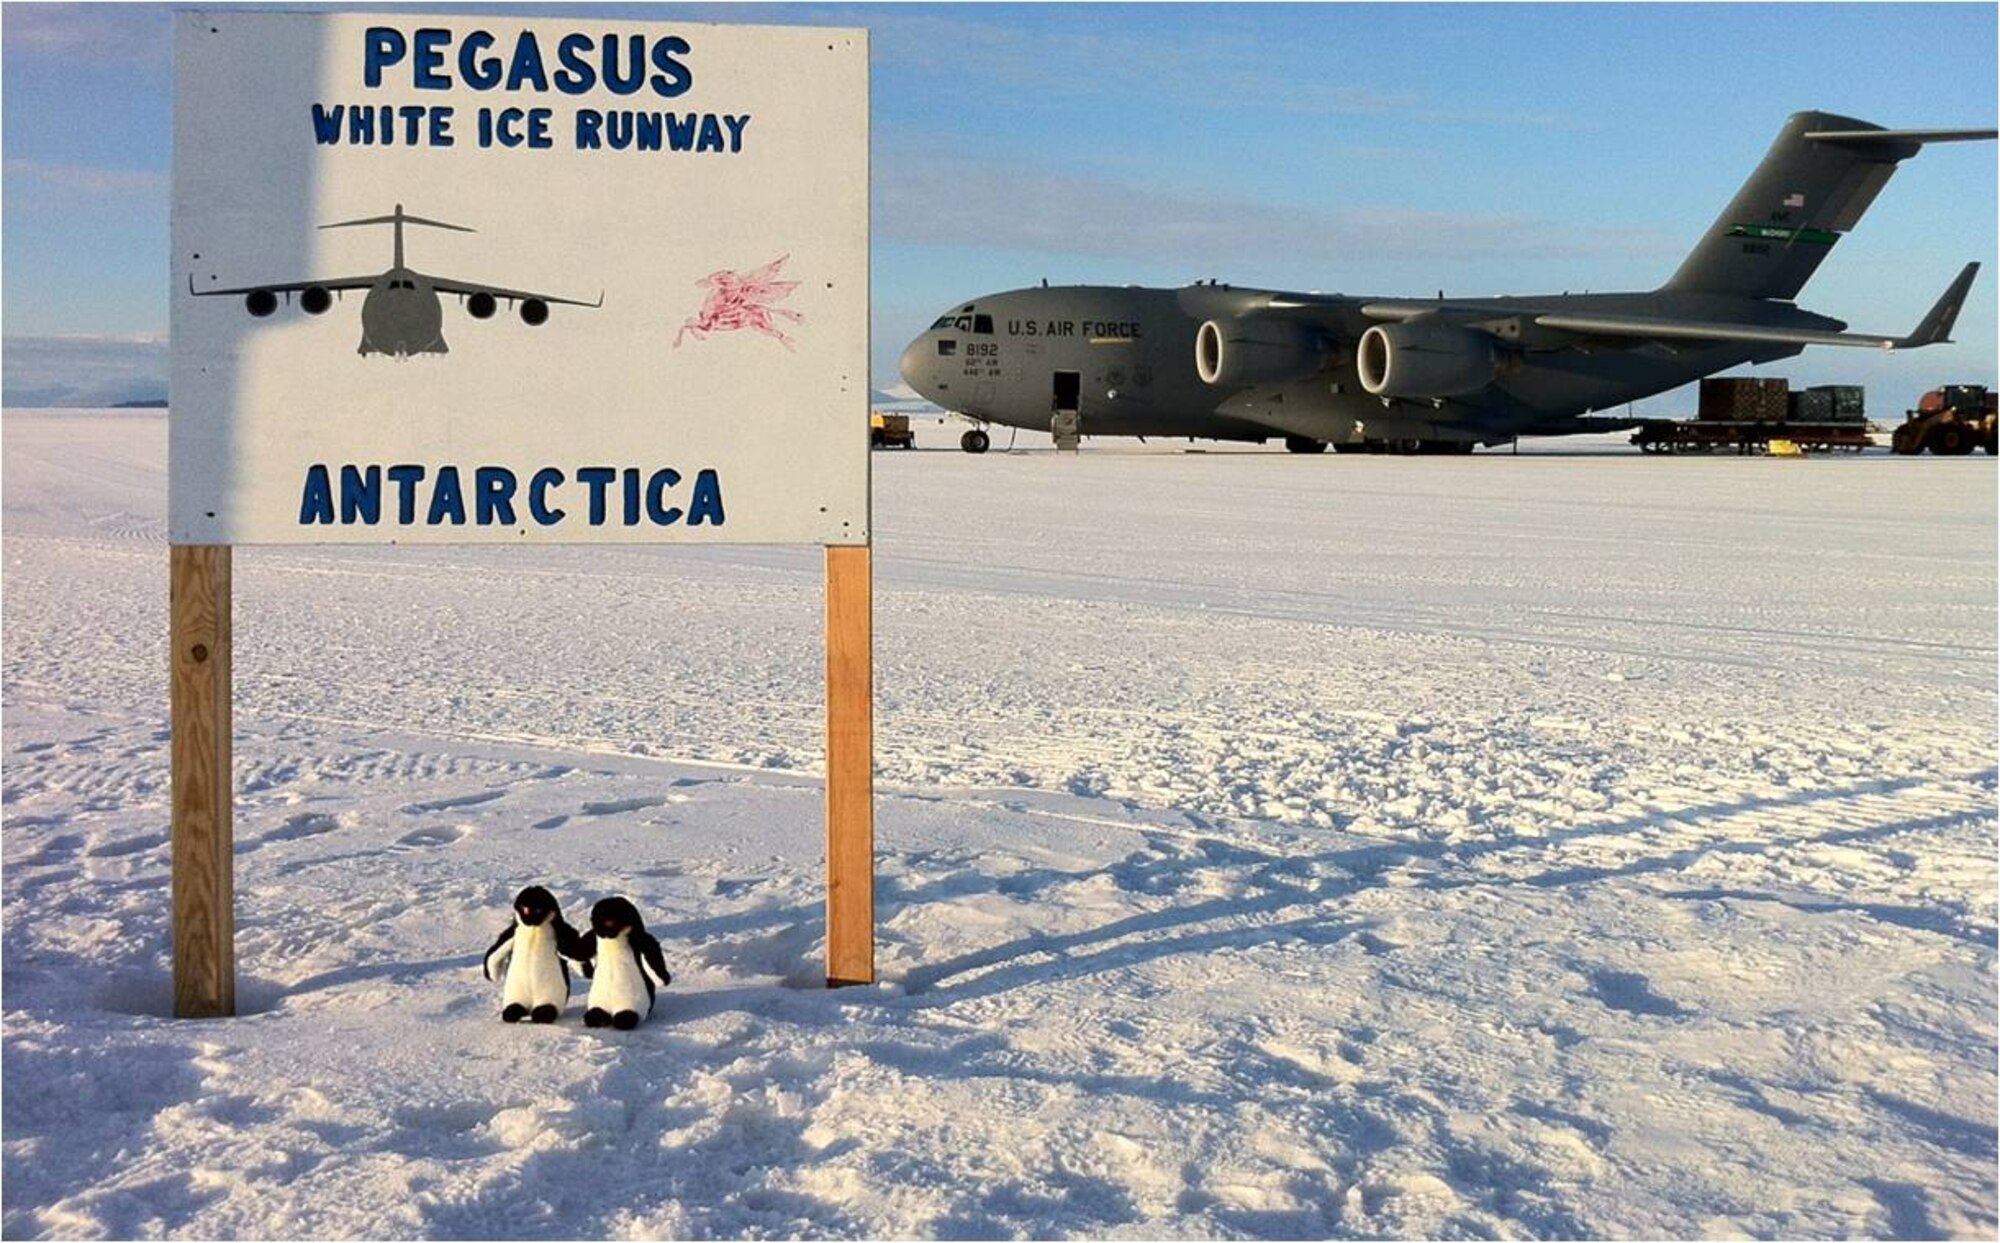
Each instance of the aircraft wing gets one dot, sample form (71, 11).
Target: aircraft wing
(1695, 330)
(332, 286)
(1934, 328)
(444, 284)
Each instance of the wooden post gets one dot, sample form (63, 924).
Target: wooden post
(850, 767)
(203, 795)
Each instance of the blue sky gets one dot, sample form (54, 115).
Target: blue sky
(1394, 149)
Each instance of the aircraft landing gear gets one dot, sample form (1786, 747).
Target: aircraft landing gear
(1304, 444)
(975, 441)
(1412, 446)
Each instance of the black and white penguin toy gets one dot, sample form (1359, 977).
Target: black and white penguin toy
(624, 966)
(529, 955)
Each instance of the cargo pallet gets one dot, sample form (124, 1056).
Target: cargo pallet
(1710, 435)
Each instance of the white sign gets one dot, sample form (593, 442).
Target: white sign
(465, 278)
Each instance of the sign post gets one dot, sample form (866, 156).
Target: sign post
(203, 795)
(850, 768)
(470, 279)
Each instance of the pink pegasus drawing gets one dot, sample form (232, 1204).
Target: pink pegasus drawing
(737, 300)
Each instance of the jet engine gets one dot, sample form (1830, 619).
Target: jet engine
(480, 306)
(315, 300)
(1425, 359)
(1255, 350)
(534, 312)
(260, 302)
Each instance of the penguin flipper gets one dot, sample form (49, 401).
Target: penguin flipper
(586, 953)
(571, 944)
(650, 957)
(496, 957)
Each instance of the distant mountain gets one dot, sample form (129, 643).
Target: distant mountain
(149, 403)
(902, 399)
(93, 371)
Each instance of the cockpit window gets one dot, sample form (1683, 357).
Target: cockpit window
(983, 325)
(978, 325)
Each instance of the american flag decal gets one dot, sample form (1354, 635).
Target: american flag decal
(1795, 200)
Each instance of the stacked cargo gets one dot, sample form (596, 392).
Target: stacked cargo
(1752, 415)
(1743, 400)
(1828, 403)
(1811, 406)
(1844, 403)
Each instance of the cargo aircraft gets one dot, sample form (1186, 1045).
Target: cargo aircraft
(401, 315)
(1420, 375)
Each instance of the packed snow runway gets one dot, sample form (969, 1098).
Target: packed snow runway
(1570, 844)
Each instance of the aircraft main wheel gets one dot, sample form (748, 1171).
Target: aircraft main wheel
(1304, 444)
(975, 441)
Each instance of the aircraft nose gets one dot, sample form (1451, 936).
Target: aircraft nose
(915, 366)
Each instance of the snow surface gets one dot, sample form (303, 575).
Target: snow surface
(1571, 844)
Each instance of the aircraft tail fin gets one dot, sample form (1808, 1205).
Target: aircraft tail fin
(1814, 184)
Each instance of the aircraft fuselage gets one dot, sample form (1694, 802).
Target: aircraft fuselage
(1123, 358)
(402, 316)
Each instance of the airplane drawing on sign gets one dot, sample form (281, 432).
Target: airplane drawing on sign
(402, 314)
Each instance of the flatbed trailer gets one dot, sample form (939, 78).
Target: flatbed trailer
(1713, 435)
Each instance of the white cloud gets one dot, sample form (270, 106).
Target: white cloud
(1085, 61)
(944, 200)
(135, 35)
(79, 178)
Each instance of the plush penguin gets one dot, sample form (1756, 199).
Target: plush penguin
(529, 954)
(623, 962)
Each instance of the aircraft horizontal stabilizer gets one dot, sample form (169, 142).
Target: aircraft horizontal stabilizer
(398, 219)
(1861, 137)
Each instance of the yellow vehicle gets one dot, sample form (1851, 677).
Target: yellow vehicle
(1950, 421)
(886, 430)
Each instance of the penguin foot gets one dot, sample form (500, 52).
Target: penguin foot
(514, 1013)
(595, 1018)
(625, 1020)
(544, 1014)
